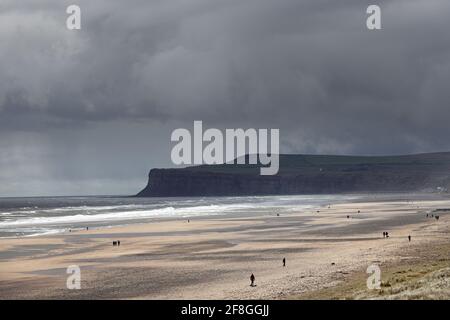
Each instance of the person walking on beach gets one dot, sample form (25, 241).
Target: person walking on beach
(252, 280)
(409, 238)
(284, 262)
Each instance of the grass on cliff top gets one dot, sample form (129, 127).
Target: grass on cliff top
(336, 162)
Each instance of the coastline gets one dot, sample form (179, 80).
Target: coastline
(212, 257)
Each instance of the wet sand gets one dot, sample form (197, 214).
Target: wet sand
(212, 258)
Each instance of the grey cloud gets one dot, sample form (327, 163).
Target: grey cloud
(309, 67)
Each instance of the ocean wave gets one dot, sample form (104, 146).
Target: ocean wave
(125, 215)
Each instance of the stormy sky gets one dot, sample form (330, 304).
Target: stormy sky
(90, 111)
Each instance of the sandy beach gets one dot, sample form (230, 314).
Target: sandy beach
(327, 254)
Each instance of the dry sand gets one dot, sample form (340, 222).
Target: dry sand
(212, 258)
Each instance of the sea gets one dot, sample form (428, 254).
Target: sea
(24, 217)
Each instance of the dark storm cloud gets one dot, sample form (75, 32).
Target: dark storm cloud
(310, 68)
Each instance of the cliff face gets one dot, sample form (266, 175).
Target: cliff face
(306, 174)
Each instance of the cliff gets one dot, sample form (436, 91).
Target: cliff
(306, 174)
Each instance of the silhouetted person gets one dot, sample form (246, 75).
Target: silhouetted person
(87, 228)
(252, 279)
(348, 217)
(384, 234)
(359, 211)
(437, 217)
(284, 262)
(387, 234)
(409, 238)
(427, 215)
(118, 243)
